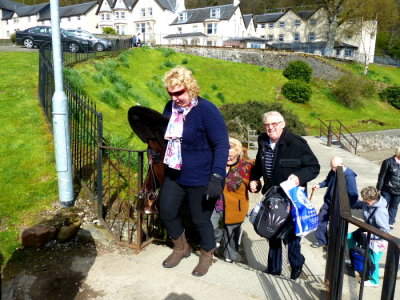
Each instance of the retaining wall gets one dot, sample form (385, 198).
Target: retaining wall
(376, 141)
(263, 57)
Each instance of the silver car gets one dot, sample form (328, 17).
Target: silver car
(96, 43)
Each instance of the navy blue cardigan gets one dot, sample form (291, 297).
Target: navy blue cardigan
(205, 144)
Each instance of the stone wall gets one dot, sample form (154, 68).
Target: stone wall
(264, 57)
(376, 140)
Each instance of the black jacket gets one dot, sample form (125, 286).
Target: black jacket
(292, 156)
(389, 177)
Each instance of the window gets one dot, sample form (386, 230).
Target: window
(263, 36)
(348, 52)
(182, 17)
(281, 38)
(143, 12)
(8, 33)
(253, 45)
(263, 25)
(29, 19)
(140, 27)
(78, 17)
(179, 29)
(311, 36)
(150, 11)
(42, 22)
(69, 19)
(313, 22)
(108, 17)
(349, 36)
(6, 22)
(296, 37)
(282, 24)
(270, 37)
(271, 25)
(215, 13)
(123, 15)
(102, 17)
(338, 52)
(195, 28)
(117, 14)
(15, 20)
(212, 28)
(297, 22)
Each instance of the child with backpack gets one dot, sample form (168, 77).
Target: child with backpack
(375, 213)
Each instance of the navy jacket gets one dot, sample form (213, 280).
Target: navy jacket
(205, 145)
(351, 185)
(292, 156)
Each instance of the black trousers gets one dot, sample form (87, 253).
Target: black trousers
(172, 198)
(295, 257)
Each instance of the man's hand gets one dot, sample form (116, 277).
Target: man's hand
(255, 186)
(315, 187)
(295, 179)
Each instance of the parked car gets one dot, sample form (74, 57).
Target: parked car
(39, 35)
(96, 43)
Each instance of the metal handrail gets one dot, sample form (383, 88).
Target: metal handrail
(340, 217)
(338, 136)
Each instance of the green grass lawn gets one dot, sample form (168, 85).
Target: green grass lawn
(27, 164)
(237, 83)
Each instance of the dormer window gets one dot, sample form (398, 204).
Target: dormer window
(215, 13)
(182, 17)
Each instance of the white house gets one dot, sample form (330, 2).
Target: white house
(207, 26)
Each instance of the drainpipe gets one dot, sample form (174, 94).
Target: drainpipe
(60, 116)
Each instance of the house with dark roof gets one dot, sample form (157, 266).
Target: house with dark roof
(15, 16)
(79, 16)
(207, 26)
(306, 31)
(146, 18)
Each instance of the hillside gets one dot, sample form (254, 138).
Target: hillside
(136, 79)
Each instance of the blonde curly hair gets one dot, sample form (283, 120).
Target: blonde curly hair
(182, 76)
(370, 193)
(236, 145)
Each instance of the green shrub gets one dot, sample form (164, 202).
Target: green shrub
(12, 38)
(349, 89)
(298, 70)
(392, 95)
(185, 61)
(262, 69)
(124, 60)
(169, 64)
(123, 88)
(109, 97)
(297, 91)
(109, 30)
(205, 96)
(74, 79)
(157, 88)
(251, 114)
(139, 98)
(97, 77)
(221, 97)
(167, 52)
(214, 87)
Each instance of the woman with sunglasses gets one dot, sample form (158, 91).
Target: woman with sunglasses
(234, 204)
(196, 155)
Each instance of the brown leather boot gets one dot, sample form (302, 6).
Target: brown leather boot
(205, 261)
(181, 249)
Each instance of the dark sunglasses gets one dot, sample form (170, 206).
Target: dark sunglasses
(177, 94)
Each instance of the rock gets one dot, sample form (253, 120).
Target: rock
(38, 235)
(68, 231)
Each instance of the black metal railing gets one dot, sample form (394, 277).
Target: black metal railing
(113, 176)
(340, 217)
(340, 132)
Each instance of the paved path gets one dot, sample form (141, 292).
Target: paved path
(128, 276)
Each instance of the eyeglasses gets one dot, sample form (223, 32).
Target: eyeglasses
(177, 93)
(273, 124)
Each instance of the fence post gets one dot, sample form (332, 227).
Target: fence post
(100, 166)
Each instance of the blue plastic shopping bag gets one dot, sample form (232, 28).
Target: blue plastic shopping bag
(304, 215)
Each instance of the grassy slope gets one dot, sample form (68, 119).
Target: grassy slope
(239, 83)
(27, 171)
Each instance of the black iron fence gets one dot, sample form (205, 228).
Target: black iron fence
(113, 176)
(340, 217)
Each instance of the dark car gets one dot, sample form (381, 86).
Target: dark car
(96, 43)
(39, 35)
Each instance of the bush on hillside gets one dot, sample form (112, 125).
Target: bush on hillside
(298, 69)
(392, 95)
(109, 97)
(109, 30)
(349, 89)
(297, 91)
(239, 116)
(74, 79)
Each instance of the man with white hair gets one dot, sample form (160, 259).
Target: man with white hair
(321, 234)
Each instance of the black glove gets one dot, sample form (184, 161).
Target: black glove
(215, 186)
